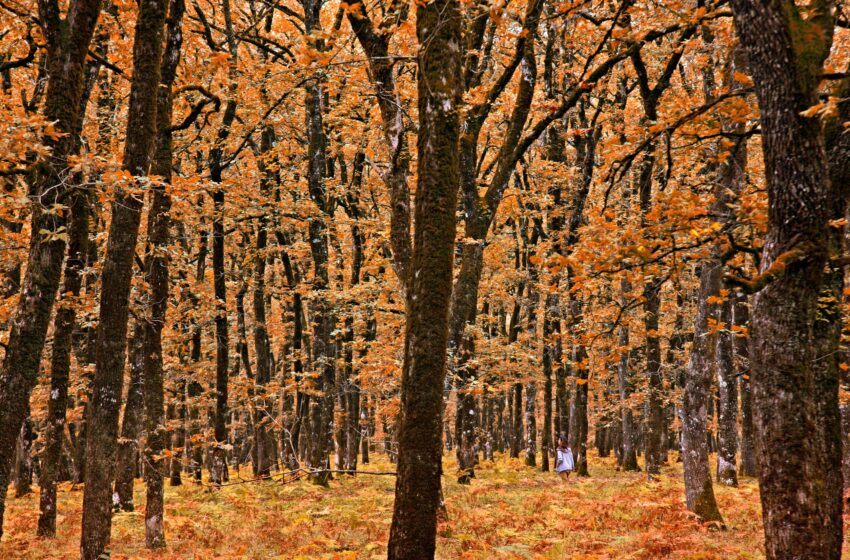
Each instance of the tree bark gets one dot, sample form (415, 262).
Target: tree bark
(785, 54)
(218, 464)
(60, 364)
(23, 459)
(115, 286)
(67, 44)
(747, 466)
(727, 383)
(414, 526)
(624, 385)
(699, 492)
(131, 425)
(156, 278)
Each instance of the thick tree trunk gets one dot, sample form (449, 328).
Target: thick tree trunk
(67, 47)
(414, 525)
(785, 54)
(115, 286)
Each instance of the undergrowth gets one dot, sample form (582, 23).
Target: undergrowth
(509, 511)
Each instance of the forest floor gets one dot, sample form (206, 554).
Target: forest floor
(510, 511)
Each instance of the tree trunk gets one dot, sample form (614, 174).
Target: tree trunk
(23, 459)
(115, 286)
(699, 492)
(654, 413)
(465, 426)
(742, 357)
(156, 278)
(845, 437)
(218, 464)
(60, 364)
(67, 47)
(727, 382)
(414, 526)
(785, 54)
(516, 417)
(128, 443)
(262, 347)
(550, 314)
(624, 384)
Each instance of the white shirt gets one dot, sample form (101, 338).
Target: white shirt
(564, 460)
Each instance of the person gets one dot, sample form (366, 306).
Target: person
(564, 463)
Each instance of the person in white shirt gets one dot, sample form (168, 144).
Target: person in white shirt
(564, 463)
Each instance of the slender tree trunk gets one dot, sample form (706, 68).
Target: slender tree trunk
(827, 334)
(699, 492)
(549, 314)
(262, 347)
(366, 432)
(321, 407)
(179, 443)
(531, 387)
(218, 465)
(562, 394)
(60, 364)
(845, 436)
(531, 424)
(23, 459)
(156, 278)
(727, 382)
(624, 383)
(516, 428)
(742, 358)
(131, 426)
(654, 414)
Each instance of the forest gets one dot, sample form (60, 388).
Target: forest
(424, 279)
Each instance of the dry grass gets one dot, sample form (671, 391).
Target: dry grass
(509, 511)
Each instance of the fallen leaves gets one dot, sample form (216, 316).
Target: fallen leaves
(509, 512)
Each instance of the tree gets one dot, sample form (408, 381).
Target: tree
(414, 527)
(785, 46)
(156, 277)
(67, 46)
(115, 280)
